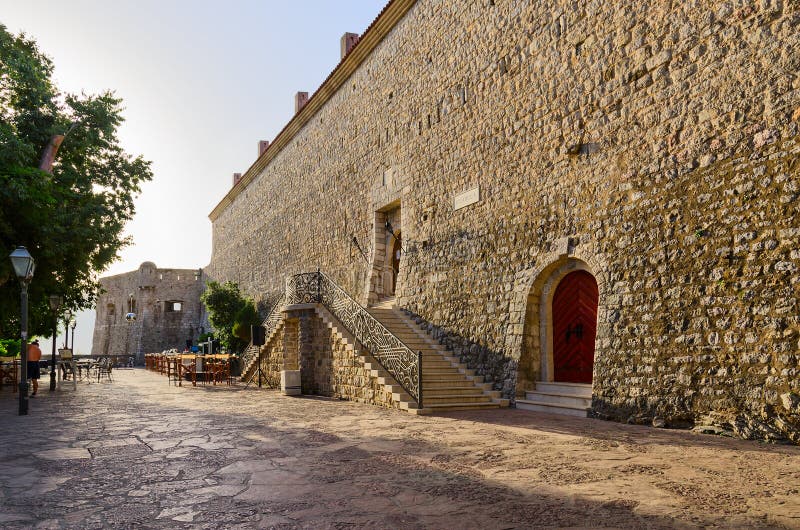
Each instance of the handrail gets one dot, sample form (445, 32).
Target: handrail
(391, 353)
(269, 324)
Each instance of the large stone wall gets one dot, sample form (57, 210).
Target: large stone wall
(158, 326)
(654, 144)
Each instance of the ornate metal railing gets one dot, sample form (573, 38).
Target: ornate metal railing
(395, 357)
(270, 323)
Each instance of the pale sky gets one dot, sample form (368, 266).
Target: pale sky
(202, 82)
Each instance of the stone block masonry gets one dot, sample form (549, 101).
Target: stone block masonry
(652, 144)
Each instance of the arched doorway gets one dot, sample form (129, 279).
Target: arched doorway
(574, 310)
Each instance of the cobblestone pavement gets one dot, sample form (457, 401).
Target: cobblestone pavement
(139, 452)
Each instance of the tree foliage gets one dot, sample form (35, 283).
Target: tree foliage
(70, 221)
(230, 314)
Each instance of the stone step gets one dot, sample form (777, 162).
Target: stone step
(426, 361)
(551, 408)
(460, 383)
(448, 407)
(433, 372)
(450, 391)
(558, 398)
(458, 398)
(574, 389)
(449, 376)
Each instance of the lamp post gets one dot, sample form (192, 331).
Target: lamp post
(55, 305)
(24, 266)
(130, 317)
(67, 318)
(73, 325)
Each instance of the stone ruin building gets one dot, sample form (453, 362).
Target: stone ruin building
(586, 208)
(167, 306)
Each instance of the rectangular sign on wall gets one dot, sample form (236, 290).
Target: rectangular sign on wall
(466, 198)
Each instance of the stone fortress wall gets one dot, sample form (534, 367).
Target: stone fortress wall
(167, 307)
(654, 144)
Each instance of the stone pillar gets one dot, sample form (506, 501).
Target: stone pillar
(290, 345)
(290, 382)
(306, 352)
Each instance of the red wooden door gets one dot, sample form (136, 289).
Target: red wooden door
(574, 327)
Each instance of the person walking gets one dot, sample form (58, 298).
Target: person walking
(34, 356)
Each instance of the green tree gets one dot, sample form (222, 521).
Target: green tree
(71, 221)
(230, 314)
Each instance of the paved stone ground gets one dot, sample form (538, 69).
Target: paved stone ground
(140, 452)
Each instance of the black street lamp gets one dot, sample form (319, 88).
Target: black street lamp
(24, 266)
(55, 305)
(67, 317)
(73, 325)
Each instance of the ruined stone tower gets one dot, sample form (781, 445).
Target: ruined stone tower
(167, 306)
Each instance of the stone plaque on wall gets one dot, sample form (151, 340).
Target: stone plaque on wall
(466, 198)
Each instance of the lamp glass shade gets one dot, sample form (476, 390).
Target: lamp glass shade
(23, 263)
(55, 301)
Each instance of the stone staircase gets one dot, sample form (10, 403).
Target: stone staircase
(252, 364)
(570, 399)
(446, 383)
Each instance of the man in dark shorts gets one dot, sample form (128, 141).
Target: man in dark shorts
(34, 356)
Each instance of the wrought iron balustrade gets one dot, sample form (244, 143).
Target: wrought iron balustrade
(399, 360)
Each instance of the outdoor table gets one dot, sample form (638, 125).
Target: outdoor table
(84, 367)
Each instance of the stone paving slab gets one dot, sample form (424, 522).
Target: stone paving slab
(139, 452)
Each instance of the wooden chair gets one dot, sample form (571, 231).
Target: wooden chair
(222, 368)
(9, 371)
(174, 369)
(187, 364)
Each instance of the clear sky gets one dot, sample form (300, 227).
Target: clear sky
(202, 82)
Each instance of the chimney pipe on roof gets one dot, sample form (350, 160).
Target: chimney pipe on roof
(263, 145)
(236, 178)
(349, 40)
(300, 100)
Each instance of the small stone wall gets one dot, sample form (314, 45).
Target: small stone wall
(272, 358)
(328, 367)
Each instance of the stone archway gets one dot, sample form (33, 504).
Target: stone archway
(529, 339)
(385, 260)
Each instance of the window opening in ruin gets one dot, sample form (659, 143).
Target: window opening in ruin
(172, 306)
